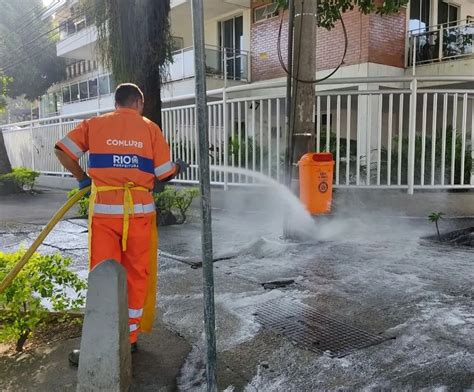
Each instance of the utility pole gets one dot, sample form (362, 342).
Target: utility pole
(204, 175)
(301, 97)
(304, 69)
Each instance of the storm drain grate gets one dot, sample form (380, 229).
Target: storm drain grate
(312, 330)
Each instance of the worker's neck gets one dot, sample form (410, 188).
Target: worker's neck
(126, 109)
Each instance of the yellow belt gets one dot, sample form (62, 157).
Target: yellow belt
(128, 206)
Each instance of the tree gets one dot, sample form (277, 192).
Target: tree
(5, 166)
(28, 49)
(329, 12)
(435, 217)
(134, 42)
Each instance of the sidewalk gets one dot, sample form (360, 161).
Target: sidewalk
(371, 271)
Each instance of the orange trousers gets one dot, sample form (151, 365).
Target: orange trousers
(106, 244)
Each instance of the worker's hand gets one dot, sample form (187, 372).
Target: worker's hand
(181, 166)
(85, 182)
(159, 186)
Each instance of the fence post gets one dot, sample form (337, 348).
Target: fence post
(183, 68)
(226, 129)
(440, 40)
(32, 146)
(412, 137)
(472, 142)
(61, 133)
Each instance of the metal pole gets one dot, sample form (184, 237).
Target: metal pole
(412, 138)
(226, 127)
(206, 231)
(287, 230)
(289, 80)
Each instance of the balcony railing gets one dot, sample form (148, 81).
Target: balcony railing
(220, 63)
(441, 42)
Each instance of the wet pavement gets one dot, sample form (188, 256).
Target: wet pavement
(370, 270)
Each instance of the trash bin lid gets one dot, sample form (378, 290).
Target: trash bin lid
(316, 157)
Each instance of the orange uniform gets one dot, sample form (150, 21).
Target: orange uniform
(126, 153)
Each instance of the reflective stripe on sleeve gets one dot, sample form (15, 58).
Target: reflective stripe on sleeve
(164, 168)
(73, 147)
(117, 209)
(133, 327)
(135, 313)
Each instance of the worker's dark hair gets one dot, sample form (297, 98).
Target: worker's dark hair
(127, 93)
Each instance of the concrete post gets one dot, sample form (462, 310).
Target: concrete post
(105, 359)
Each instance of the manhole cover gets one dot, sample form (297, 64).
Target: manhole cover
(312, 330)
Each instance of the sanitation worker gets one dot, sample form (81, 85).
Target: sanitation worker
(126, 153)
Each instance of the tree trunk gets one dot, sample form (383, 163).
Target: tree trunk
(7, 186)
(152, 92)
(5, 166)
(21, 341)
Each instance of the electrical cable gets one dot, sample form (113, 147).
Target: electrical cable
(29, 51)
(315, 81)
(78, 16)
(35, 53)
(30, 24)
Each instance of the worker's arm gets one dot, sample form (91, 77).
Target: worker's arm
(165, 169)
(71, 148)
(180, 167)
(70, 164)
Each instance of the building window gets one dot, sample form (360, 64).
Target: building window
(419, 15)
(265, 12)
(231, 34)
(66, 94)
(74, 92)
(93, 88)
(447, 13)
(112, 84)
(177, 43)
(104, 88)
(83, 92)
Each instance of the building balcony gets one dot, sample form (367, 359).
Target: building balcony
(221, 63)
(441, 43)
(77, 42)
(92, 92)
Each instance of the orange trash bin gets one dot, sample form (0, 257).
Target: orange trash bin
(316, 174)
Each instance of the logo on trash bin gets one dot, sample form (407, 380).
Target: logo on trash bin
(323, 187)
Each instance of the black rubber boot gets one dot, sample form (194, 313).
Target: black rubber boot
(74, 358)
(133, 347)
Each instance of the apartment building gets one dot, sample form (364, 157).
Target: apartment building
(398, 113)
(241, 35)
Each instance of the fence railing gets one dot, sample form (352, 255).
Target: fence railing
(441, 42)
(398, 133)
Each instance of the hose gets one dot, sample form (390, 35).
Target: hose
(44, 233)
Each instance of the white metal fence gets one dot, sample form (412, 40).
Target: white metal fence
(383, 133)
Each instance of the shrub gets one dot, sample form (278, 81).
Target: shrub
(46, 279)
(170, 202)
(82, 204)
(438, 155)
(183, 200)
(175, 201)
(23, 177)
